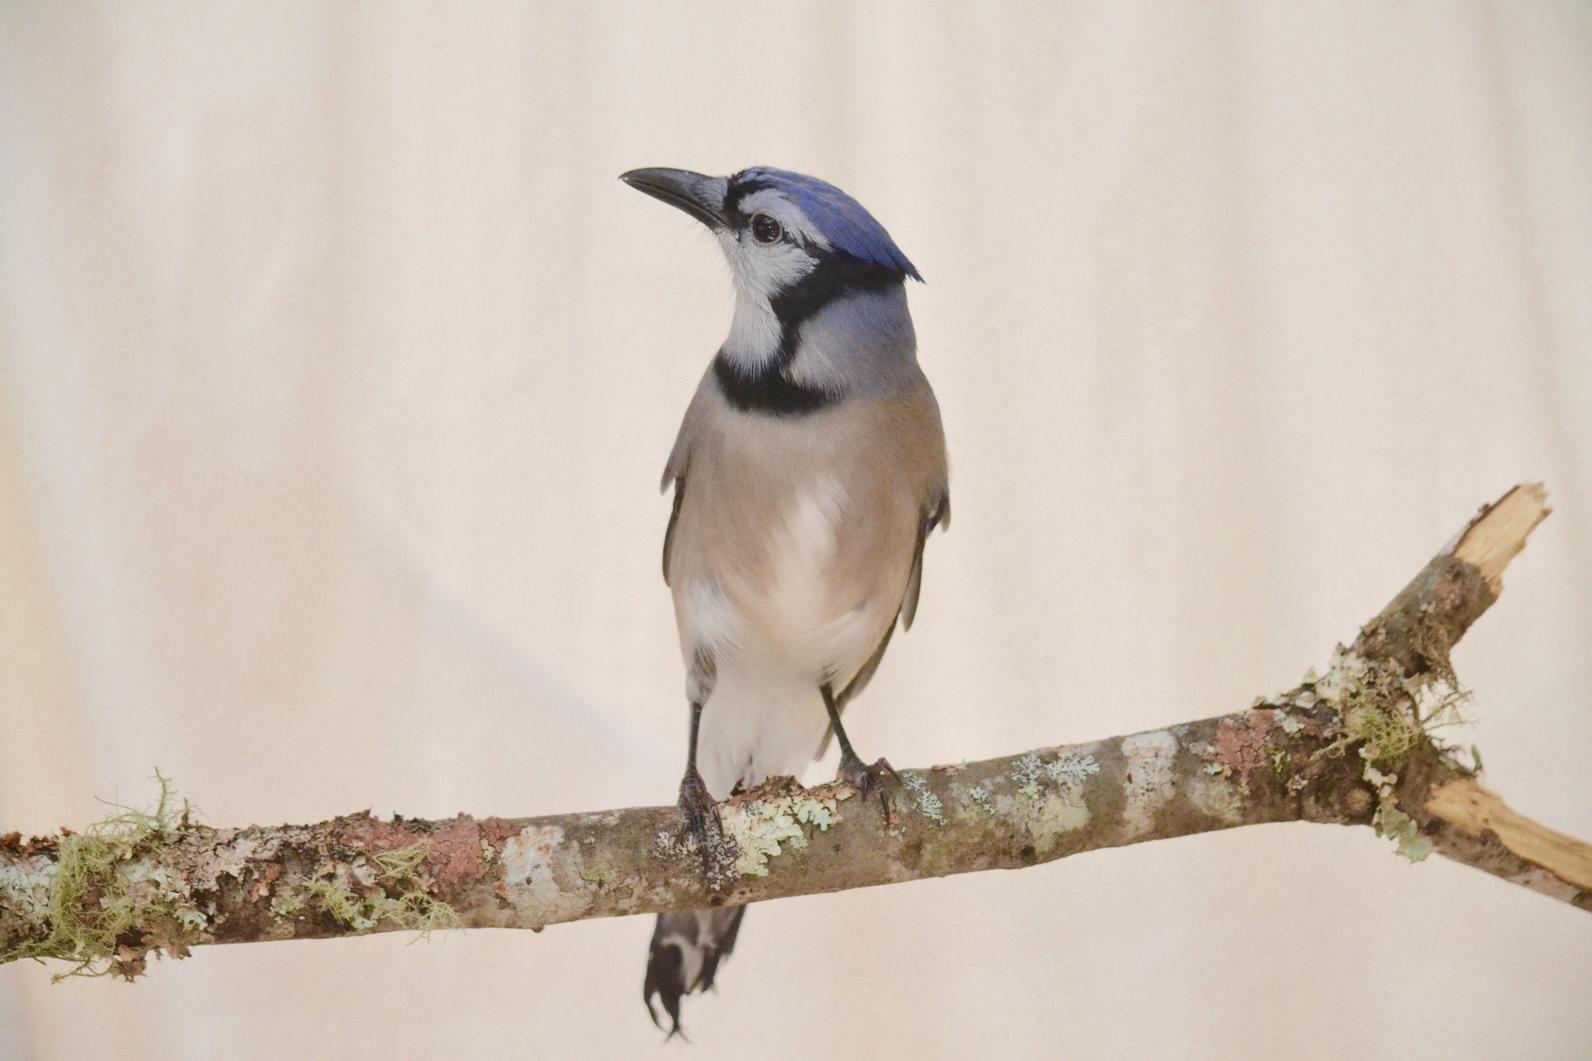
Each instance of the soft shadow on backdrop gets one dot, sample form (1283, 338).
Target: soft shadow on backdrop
(337, 372)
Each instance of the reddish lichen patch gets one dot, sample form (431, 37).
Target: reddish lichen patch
(455, 855)
(365, 833)
(12, 843)
(1241, 742)
(496, 831)
(775, 787)
(268, 876)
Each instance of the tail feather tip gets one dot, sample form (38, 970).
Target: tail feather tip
(684, 957)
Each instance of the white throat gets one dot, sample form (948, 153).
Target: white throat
(760, 274)
(754, 332)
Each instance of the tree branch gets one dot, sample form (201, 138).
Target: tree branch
(1352, 746)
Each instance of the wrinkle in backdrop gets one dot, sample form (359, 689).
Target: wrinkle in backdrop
(337, 371)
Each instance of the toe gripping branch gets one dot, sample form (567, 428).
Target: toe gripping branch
(865, 779)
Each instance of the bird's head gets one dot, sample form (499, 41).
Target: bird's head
(794, 243)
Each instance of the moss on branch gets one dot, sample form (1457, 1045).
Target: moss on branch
(1355, 745)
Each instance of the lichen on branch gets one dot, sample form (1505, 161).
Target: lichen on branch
(1354, 745)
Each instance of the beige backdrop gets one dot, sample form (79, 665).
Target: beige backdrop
(337, 371)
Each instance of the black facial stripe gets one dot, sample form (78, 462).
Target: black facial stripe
(739, 189)
(767, 389)
(834, 275)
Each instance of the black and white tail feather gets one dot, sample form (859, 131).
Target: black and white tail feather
(686, 951)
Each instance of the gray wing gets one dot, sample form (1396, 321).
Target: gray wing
(674, 471)
(937, 515)
(674, 519)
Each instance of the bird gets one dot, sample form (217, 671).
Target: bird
(808, 471)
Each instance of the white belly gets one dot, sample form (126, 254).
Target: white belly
(776, 638)
(758, 723)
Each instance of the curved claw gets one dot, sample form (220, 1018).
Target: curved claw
(718, 852)
(869, 779)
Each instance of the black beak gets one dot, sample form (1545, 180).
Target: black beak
(701, 197)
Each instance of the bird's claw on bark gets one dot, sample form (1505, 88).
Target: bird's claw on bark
(869, 779)
(718, 852)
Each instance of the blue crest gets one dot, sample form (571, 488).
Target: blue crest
(843, 221)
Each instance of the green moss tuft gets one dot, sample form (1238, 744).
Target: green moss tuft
(111, 901)
(1392, 738)
(1383, 735)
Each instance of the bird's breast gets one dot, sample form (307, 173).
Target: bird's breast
(788, 550)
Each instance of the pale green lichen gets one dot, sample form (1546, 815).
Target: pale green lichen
(1279, 762)
(599, 874)
(981, 799)
(1055, 816)
(286, 904)
(391, 891)
(109, 901)
(1402, 830)
(817, 812)
(763, 828)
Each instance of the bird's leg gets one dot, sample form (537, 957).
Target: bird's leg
(864, 779)
(702, 816)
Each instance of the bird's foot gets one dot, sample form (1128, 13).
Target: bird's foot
(704, 831)
(869, 779)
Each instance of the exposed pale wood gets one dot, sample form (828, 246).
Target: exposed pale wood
(1465, 803)
(1500, 532)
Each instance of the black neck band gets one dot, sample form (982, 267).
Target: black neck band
(769, 388)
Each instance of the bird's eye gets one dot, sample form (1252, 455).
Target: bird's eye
(765, 229)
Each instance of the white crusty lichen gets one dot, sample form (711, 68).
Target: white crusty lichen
(1050, 810)
(762, 828)
(528, 860)
(1076, 768)
(1149, 778)
(928, 803)
(1217, 795)
(1288, 723)
(1346, 672)
(1025, 774)
(25, 885)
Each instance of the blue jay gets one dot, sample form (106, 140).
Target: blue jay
(808, 471)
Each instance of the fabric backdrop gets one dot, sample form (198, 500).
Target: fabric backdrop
(337, 372)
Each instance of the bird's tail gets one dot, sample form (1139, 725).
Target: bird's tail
(686, 949)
